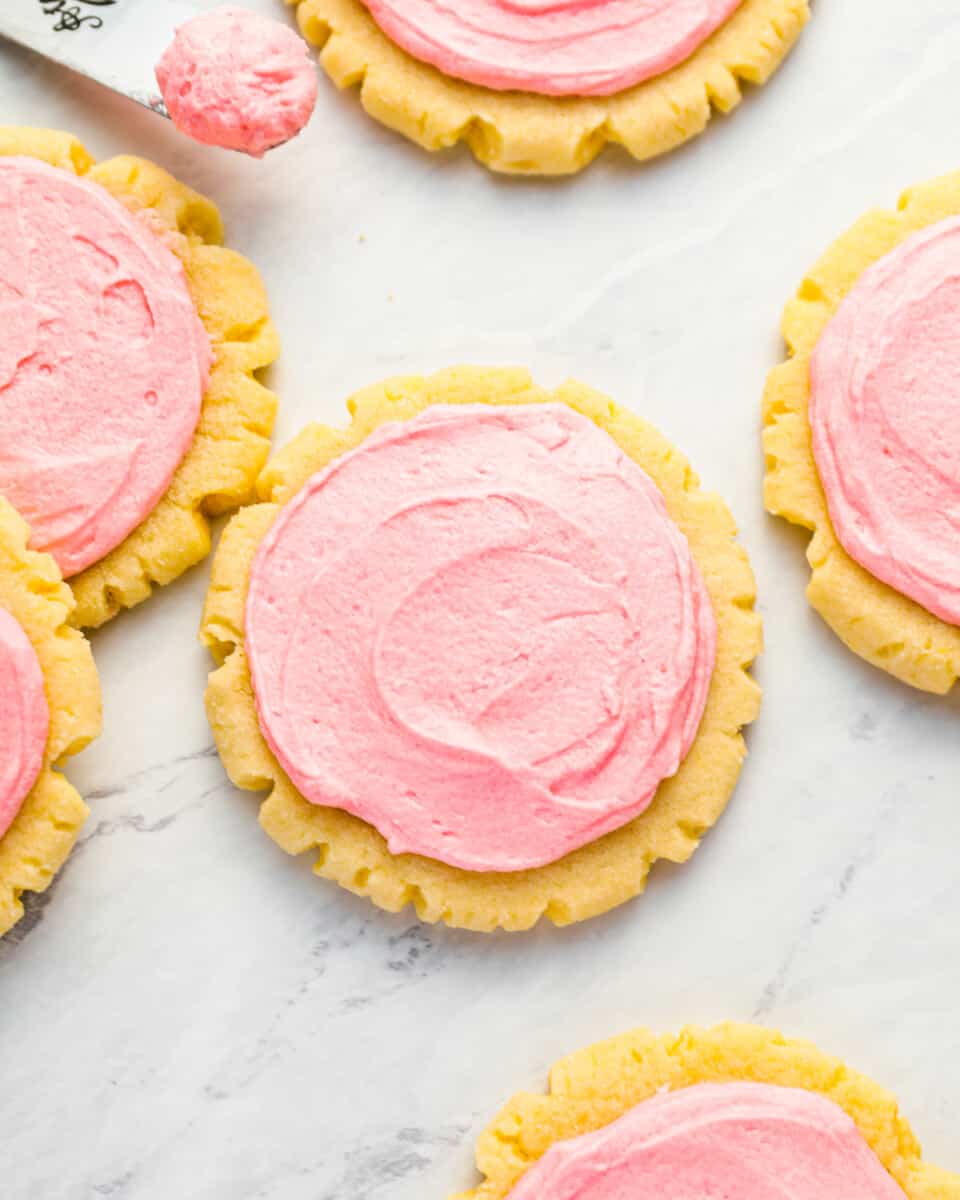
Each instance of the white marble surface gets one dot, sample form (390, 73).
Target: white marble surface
(189, 1013)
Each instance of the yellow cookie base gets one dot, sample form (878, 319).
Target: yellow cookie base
(233, 437)
(43, 833)
(526, 134)
(595, 1086)
(880, 624)
(592, 879)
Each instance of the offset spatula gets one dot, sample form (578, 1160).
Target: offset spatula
(115, 42)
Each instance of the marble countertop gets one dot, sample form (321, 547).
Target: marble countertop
(188, 1012)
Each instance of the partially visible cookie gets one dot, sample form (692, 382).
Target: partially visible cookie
(883, 554)
(712, 1103)
(462, 695)
(50, 702)
(523, 132)
(127, 305)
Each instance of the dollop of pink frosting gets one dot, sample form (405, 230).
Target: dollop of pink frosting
(726, 1141)
(885, 416)
(103, 362)
(482, 633)
(235, 79)
(553, 47)
(24, 718)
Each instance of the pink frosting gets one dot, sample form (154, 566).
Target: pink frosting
(234, 79)
(482, 633)
(103, 362)
(24, 718)
(554, 47)
(885, 413)
(725, 1141)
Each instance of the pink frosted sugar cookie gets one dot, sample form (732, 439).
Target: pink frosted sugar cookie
(885, 415)
(862, 434)
(103, 362)
(234, 79)
(24, 718)
(539, 87)
(748, 1141)
(49, 710)
(486, 649)
(130, 410)
(736, 1112)
(552, 47)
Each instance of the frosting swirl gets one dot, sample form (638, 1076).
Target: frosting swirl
(235, 79)
(24, 718)
(885, 418)
(732, 1141)
(103, 362)
(552, 47)
(482, 633)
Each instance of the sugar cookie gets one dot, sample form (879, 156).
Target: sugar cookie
(137, 338)
(862, 435)
(729, 1108)
(689, 60)
(471, 713)
(50, 710)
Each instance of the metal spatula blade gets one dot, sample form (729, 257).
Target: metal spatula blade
(115, 42)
